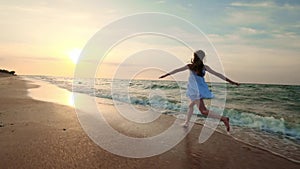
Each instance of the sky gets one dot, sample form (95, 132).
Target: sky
(256, 41)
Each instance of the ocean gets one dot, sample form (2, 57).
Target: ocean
(263, 115)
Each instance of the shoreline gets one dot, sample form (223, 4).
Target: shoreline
(45, 133)
(253, 146)
(267, 150)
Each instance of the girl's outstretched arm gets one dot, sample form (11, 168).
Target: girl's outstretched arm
(220, 75)
(175, 71)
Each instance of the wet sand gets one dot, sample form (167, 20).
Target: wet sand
(39, 134)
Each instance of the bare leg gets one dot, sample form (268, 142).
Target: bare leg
(190, 112)
(205, 112)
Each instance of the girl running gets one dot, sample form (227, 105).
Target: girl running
(197, 89)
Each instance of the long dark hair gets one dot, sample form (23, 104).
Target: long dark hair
(197, 63)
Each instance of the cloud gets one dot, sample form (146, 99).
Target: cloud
(268, 4)
(259, 4)
(246, 17)
(273, 39)
(160, 2)
(289, 7)
(218, 39)
(250, 31)
(269, 24)
(267, 13)
(41, 58)
(291, 35)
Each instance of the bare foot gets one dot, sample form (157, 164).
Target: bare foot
(185, 125)
(226, 122)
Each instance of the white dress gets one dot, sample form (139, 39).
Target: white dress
(197, 87)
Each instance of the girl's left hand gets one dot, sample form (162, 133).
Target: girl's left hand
(163, 76)
(235, 83)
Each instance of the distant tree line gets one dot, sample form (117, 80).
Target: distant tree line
(8, 72)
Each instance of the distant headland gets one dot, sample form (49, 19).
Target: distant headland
(4, 73)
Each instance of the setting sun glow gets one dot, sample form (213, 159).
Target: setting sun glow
(74, 55)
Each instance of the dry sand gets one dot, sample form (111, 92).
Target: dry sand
(37, 134)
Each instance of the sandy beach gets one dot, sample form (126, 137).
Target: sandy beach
(39, 134)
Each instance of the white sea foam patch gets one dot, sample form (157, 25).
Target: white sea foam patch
(264, 123)
(50, 93)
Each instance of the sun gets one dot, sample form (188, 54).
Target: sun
(74, 54)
